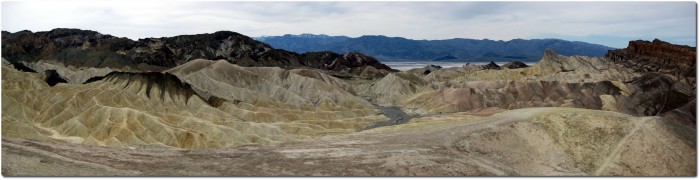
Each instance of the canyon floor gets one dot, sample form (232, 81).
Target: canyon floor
(523, 142)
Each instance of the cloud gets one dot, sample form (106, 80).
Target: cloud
(608, 23)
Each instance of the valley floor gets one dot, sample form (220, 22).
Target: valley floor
(518, 142)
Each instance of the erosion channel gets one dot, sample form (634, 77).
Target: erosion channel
(394, 113)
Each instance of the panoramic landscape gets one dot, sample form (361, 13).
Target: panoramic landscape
(221, 89)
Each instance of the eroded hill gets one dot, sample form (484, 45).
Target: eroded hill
(231, 106)
(215, 117)
(523, 142)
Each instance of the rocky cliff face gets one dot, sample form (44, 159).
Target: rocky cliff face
(668, 82)
(657, 56)
(86, 48)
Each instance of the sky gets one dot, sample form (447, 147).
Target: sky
(612, 24)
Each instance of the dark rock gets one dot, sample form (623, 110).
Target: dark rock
(430, 68)
(84, 48)
(53, 78)
(22, 67)
(667, 85)
(491, 65)
(515, 65)
(657, 94)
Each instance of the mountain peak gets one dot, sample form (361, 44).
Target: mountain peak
(550, 54)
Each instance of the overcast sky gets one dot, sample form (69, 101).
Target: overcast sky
(610, 24)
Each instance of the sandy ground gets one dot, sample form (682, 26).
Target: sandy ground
(441, 149)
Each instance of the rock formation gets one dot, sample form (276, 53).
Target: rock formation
(71, 74)
(491, 65)
(667, 85)
(425, 70)
(270, 86)
(84, 48)
(658, 56)
(515, 65)
(232, 106)
(555, 81)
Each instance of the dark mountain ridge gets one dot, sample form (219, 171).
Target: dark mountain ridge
(464, 50)
(85, 48)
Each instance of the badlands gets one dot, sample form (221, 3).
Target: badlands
(155, 108)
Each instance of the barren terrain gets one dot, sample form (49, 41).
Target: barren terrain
(155, 108)
(523, 142)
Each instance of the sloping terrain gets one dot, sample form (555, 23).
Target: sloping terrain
(523, 142)
(555, 81)
(222, 117)
(159, 110)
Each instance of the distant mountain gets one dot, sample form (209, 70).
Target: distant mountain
(465, 50)
(304, 42)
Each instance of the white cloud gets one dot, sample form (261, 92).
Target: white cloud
(672, 21)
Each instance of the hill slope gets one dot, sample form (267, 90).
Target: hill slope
(523, 142)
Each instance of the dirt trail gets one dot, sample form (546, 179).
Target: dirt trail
(618, 148)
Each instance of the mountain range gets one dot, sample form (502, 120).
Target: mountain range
(461, 50)
(86, 48)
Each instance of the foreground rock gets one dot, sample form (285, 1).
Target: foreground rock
(523, 142)
(206, 104)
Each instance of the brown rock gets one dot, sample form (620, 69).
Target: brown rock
(657, 56)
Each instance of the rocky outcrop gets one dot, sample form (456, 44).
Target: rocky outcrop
(667, 84)
(347, 65)
(515, 65)
(491, 65)
(71, 74)
(52, 78)
(425, 70)
(71, 46)
(658, 56)
(656, 94)
(84, 48)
